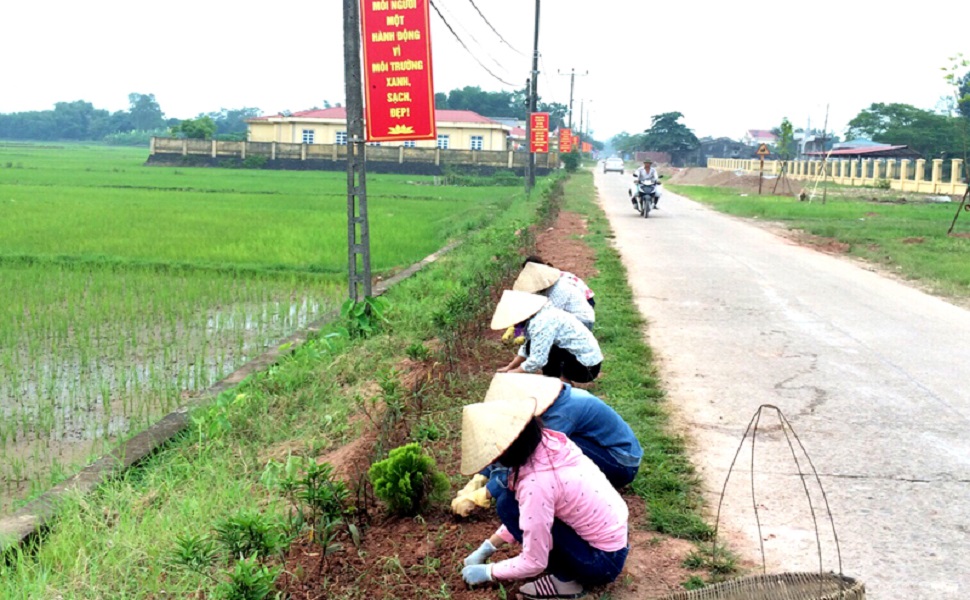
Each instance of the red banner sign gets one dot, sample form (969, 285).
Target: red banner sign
(398, 87)
(575, 143)
(565, 141)
(539, 131)
(587, 147)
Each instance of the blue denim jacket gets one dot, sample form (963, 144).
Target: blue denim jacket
(579, 414)
(583, 418)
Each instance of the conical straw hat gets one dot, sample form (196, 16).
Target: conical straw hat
(536, 277)
(487, 430)
(524, 387)
(515, 307)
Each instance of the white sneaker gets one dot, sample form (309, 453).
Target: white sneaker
(549, 587)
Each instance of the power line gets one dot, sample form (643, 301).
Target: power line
(551, 98)
(493, 28)
(468, 33)
(460, 41)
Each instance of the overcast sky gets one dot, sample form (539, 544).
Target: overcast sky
(728, 66)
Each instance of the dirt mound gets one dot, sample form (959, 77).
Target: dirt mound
(743, 181)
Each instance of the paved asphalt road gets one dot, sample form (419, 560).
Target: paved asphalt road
(872, 374)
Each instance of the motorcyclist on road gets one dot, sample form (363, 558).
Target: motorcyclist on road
(646, 175)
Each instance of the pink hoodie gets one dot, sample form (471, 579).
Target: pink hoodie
(559, 481)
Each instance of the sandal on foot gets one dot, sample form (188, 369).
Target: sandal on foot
(548, 587)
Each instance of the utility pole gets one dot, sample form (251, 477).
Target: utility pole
(533, 101)
(581, 130)
(527, 172)
(572, 86)
(358, 274)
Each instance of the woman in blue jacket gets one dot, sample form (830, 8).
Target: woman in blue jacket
(602, 435)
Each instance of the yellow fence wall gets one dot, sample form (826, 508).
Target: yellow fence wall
(904, 175)
(399, 154)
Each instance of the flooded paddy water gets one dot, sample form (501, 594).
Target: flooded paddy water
(91, 355)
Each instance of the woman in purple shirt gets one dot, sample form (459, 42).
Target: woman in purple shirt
(568, 518)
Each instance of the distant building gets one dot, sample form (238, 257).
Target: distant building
(517, 138)
(868, 151)
(756, 137)
(856, 143)
(457, 130)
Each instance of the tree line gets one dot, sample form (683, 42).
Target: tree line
(503, 104)
(81, 121)
(942, 133)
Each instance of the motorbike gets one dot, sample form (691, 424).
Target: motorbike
(643, 200)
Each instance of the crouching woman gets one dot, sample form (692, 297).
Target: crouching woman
(570, 521)
(556, 343)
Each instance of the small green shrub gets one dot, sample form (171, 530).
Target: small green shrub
(571, 161)
(882, 184)
(693, 583)
(407, 480)
(254, 161)
(324, 496)
(364, 318)
(250, 580)
(195, 552)
(417, 351)
(427, 431)
(248, 533)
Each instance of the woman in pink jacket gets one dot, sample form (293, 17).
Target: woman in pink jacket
(571, 523)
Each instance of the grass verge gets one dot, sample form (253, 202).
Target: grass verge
(908, 238)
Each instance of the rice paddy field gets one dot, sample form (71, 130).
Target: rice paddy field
(128, 289)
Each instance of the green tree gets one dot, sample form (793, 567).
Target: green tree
(233, 121)
(785, 138)
(146, 114)
(201, 128)
(963, 94)
(924, 131)
(626, 143)
(668, 134)
(73, 120)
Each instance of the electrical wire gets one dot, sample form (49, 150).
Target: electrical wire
(467, 31)
(493, 28)
(460, 41)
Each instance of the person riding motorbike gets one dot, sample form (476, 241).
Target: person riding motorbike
(646, 175)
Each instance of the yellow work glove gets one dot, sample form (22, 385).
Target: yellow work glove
(519, 340)
(478, 481)
(464, 505)
(508, 334)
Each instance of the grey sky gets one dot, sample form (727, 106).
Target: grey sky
(728, 66)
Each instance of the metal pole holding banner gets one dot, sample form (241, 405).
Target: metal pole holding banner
(358, 233)
(761, 174)
(534, 98)
(762, 152)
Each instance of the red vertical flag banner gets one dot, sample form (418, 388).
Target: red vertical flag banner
(575, 143)
(539, 126)
(398, 87)
(565, 141)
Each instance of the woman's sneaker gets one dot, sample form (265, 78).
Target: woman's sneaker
(549, 587)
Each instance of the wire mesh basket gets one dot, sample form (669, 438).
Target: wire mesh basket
(785, 586)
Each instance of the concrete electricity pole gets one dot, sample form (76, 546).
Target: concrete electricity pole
(533, 101)
(572, 85)
(358, 274)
